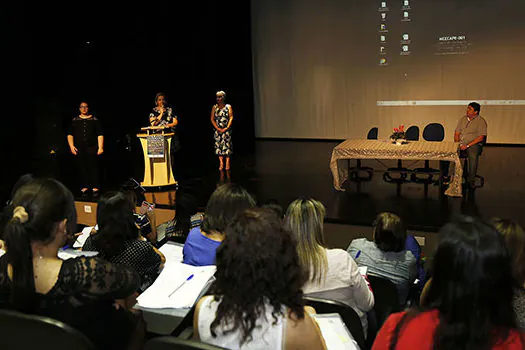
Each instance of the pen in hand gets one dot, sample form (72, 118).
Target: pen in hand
(176, 289)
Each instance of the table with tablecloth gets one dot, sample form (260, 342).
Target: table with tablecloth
(412, 150)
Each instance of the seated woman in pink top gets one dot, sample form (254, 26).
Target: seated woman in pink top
(332, 273)
(469, 301)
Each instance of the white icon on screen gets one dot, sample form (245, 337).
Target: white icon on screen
(405, 3)
(405, 48)
(382, 49)
(405, 36)
(405, 14)
(383, 27)
(383, 38)
(383, 4)
(383, 16)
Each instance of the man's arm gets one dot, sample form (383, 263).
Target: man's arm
(477, 140)
(456, 136)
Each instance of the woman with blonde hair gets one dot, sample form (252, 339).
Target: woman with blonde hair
(331, 273)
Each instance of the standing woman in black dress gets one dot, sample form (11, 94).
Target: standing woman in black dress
(221, 119)
(86, 142)
(162, 115)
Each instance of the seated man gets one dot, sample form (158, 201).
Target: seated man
(471, 133)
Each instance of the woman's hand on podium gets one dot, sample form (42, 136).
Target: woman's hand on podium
(100, 151)
(74, 150)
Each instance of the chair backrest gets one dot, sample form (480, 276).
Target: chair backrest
(372, 134)
(349, 316)
(434, 132)
(412, 133)
(21, 331)
(172, 343)
(386, 298)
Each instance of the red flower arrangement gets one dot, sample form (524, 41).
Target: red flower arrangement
(399, 133)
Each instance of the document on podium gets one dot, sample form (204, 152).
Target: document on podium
(178, 286)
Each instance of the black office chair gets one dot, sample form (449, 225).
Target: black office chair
(433, 132)
(360, 173)
(400, 174)
(20, 332)
(386, 302)
(349, 316)
(172, 343)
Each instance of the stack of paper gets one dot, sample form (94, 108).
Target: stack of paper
(174, 288)
(335, 333)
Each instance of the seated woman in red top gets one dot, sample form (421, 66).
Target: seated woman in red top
(469, 302)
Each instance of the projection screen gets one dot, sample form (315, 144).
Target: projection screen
(333, 69)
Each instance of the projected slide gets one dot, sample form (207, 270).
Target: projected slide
(429, 49)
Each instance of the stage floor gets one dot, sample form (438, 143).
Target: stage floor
(285, 170)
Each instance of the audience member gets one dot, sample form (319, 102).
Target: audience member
(331, 273)
(8, 209)
(119, 241)
(224, 204)
(273, 205)
(257, 301)
(386, 256)
(515, 240)
(469, 302)
(81, 291)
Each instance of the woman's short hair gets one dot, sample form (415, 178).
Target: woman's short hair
(225, 202)
(159, 94)
(389, 232)
(515, 241)
(37, 208)
(116, 223)
(472, 286)
(304, 219)
(257, 267)
(222, 93)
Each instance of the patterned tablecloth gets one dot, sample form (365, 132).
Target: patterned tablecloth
(413, 150)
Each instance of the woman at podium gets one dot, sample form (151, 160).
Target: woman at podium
(162, 115)
(221, 119)
(86, 142)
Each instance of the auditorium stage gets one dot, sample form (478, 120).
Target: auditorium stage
(285, 170)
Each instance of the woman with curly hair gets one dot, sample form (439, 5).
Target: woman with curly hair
(469, 301)
(257, 301)
(331, 273)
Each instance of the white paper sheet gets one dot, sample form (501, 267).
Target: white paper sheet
(72, 253)
(66, 253)
(335, 333)
(172, 252)
(174, 278)
(79, 243)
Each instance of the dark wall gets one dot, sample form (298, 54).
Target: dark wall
(116, 56)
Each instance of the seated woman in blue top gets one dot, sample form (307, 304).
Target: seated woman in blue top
(387, 256)
(224, 204)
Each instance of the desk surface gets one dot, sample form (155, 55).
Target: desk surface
(385, 149)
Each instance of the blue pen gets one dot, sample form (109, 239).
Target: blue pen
(358, 253)
(176, 289)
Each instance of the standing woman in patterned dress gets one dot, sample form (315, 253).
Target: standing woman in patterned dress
(221, 119)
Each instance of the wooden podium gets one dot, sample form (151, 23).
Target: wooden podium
(157, 167)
